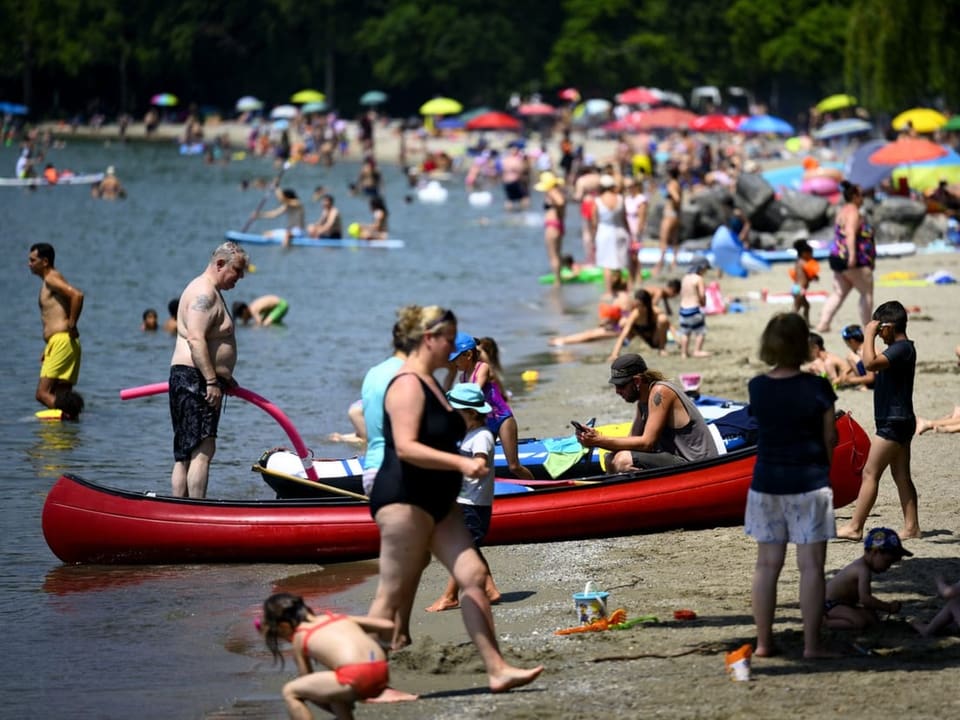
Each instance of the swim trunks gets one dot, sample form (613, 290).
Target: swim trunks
(692, 321)
(514, 191)
(194, 420)
(275, 316)
(367, 679)
(61, 358)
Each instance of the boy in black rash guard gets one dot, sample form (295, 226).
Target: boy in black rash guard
(896, 422)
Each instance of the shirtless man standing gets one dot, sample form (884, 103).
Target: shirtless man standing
(60, 308)
(202, 367)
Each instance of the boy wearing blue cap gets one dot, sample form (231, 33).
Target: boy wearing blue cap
(850, 603)
(476, 493)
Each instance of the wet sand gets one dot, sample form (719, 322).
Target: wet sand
(673, 668)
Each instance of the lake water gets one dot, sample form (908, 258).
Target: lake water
(177, 642)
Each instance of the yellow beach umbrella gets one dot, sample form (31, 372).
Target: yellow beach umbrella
(923, 120)
(307, 96)
(441, 106)
(836, 102)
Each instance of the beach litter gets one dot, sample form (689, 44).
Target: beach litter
(738, 663)
(684, 615)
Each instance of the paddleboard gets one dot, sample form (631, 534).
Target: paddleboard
(49, 415)
(758, 259)
(88, 179)
(275, 237)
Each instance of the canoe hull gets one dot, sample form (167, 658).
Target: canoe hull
(88, 523)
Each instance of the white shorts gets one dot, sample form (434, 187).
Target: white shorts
(802, 518)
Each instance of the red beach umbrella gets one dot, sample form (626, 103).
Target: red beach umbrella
(907, 150)
(666, 118)
(533, 109)
(639, 96)
(570, 94)
(494, 121)
(714, 123)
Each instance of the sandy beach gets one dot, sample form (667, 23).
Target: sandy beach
(676, 669)
(671, 668)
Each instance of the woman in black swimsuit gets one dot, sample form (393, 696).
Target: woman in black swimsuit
(415, 491)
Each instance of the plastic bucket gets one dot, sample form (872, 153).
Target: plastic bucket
(590, 606)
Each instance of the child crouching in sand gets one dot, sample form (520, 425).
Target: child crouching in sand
(850, 603)
(949, 614)
(358, 663)
(476, 494)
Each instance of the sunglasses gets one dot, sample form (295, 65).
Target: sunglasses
(447, 317)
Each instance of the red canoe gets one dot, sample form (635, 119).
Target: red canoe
(88, 523)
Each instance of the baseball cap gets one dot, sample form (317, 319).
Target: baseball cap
(625, 367)
(468, 396)
(886, 540)
(463, 342)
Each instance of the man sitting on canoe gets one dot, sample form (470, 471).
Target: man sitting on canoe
(668, 429)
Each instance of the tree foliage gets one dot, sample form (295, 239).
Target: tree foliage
(112, 55)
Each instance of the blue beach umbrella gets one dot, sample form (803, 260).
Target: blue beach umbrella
(13, 109)
(314, 107)
(373, 97)
(860, 171)
(839, 128)
(765, 124)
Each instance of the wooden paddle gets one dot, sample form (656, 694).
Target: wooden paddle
(310, 483)
(263, 200)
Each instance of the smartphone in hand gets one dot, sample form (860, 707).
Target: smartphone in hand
(579, 427)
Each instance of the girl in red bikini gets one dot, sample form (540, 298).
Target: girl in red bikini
(358, 664)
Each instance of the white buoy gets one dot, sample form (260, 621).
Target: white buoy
(432, 192)
(481, 198)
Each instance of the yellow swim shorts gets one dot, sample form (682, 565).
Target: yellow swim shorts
(61, 358)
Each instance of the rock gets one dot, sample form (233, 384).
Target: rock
(812, 210)
(899, 210)
(892, 232)
(753, 193)
(933, 227)
(770, 217)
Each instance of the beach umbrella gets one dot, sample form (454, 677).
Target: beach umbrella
(307, 96)
(569, 94)
(285, 112)
(953, 124)
(593, 106)
(314, 107)
(13, 109)
(494, 121)
(836, 102)
(441, 106)
(713, 123)
(665, 118)
(470, 114)
(639, 96)
(281, 124)
(538, 109)
(839, 128)
(373, 97)
(249, 103)
(861, 171)
(923, 120)
(928, 174)
(907, 150)
(164, 100)
(765, 124)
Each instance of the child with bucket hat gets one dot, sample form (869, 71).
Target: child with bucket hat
(476, 494)
(849, 602)
(472, 368)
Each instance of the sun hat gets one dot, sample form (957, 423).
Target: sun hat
(547, 181)
(625, 367)
(463, 342)
(607, 182)
(468, 396)
(885, 540)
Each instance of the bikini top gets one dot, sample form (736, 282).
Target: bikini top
(308, 631)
